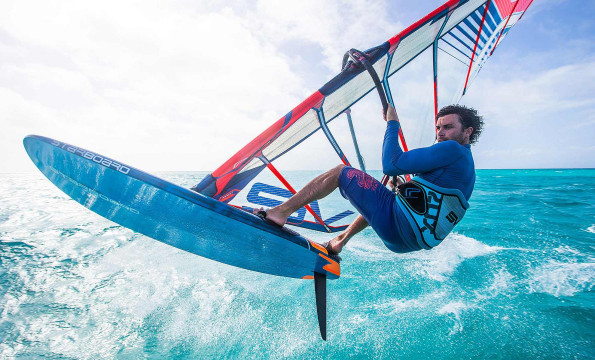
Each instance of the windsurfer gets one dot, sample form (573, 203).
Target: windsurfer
(425, 209)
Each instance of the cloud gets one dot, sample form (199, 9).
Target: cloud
(537, 118)
(195, 81)
(526, 98)
(333, 26)
(117, 76)
(183, 85)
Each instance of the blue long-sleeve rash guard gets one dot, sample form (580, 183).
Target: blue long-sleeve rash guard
(447, 164)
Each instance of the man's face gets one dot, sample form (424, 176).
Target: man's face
(449, 127)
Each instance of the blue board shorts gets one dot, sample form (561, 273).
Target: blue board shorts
(378, 206)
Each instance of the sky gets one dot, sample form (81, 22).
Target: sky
(182, 85)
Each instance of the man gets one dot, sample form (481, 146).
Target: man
(425, 209)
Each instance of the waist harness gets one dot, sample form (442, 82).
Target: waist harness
(432, 211)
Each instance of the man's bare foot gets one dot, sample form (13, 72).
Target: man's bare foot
(270, 216)
(334, 246)
(274, 215)
(331, 251)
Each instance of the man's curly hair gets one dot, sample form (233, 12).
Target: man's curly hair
(468, 118)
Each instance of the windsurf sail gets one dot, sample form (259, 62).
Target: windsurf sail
(452, 43)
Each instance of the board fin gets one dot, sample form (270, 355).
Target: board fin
(320, 293)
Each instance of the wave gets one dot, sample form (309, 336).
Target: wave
(436, 264)
(83, 287)
(440, 262)
(454, 310)
(87, 307)
(562, 278)
(502, 283)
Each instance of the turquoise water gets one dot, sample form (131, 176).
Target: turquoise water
(514, 281)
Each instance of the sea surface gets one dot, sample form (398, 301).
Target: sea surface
(514, 281)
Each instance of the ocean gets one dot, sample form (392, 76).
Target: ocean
(514, 281)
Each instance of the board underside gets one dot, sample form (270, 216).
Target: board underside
(176, 216)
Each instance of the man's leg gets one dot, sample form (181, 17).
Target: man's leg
(338, 243)
(316, 189)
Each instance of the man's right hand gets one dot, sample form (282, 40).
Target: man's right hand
(400, 181)
(391, 114)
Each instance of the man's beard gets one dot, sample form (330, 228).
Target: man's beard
(460, 138)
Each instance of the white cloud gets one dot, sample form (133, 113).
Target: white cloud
(117, 76)
(334, 26)
(184, 85)
(533, 118)
(523, 99)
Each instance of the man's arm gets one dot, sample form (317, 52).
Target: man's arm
(397, 162)
(391, 150)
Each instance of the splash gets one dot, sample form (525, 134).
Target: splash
(440, 262)
(454, 311)
(563, 278)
